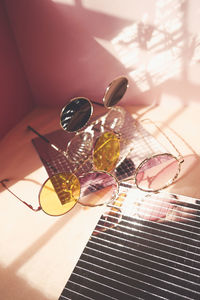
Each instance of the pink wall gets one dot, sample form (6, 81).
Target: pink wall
(61, 56)
(16, 99)
(67, 49)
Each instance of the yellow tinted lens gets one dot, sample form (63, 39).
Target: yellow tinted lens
(59, 193)
(106, 152)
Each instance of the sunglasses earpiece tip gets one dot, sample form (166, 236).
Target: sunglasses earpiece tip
(4, 180)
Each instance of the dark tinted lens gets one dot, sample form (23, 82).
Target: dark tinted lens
(115, 91)
(76, 114)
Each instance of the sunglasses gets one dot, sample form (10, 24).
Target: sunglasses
(81, 145)
(60, 193)
(157, 171)
(77, 113)
(75, 117)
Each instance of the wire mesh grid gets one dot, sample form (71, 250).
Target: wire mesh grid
(135, 145)
(145, 245)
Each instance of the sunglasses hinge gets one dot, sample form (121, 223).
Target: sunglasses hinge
(4, 180)
(181, 159)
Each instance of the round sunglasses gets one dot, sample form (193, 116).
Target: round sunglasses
(77, 113)
(60, 193)
(83, 142)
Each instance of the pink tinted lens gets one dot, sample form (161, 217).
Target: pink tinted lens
(97, 188)
(157, 172)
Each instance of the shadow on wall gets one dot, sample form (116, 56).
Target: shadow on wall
(15, 95)
(160, 55)
(60, 55)
(71, 50)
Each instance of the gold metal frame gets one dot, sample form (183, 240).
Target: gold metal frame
(180, 161)
(178, 158)
(90, 102)
(78, 200)
(111, 199)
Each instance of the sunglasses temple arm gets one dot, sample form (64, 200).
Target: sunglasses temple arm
(52, 145)
(164, 134)
(47, 141)
(49, 165)
(97, 103)
(29, 206)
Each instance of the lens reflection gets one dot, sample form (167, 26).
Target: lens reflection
(76, 114)
(106, 152)
(59, 194)
(157, 172)
(80, 147)
(115, 91)
(97, 188)
(114, 119)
